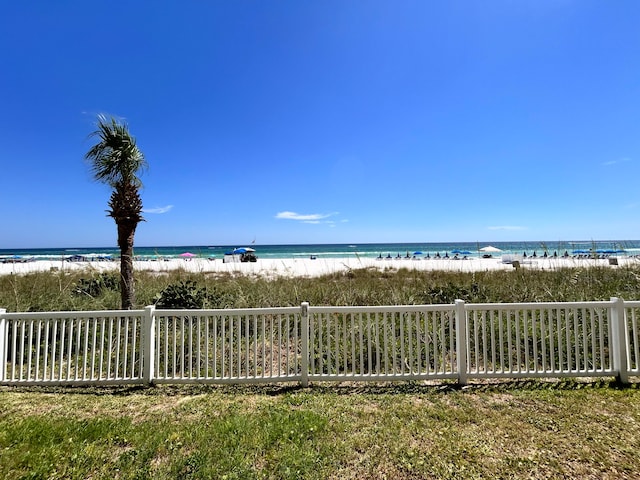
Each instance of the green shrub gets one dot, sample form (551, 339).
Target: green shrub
(95, 286)
(186, 294)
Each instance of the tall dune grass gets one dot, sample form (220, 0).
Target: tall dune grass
(55, 291)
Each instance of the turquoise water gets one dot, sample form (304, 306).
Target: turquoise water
(471, 249)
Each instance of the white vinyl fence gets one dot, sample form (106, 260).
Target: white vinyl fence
(306, 343)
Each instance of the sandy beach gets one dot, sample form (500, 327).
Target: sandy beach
(306, 267)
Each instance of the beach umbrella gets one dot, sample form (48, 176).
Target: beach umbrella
(187, 255)
(417, 253)
(243, 250)
(461, 252)
(490, 249)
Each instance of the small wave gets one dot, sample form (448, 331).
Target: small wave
(329, 254)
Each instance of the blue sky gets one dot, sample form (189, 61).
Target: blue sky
(325, 121)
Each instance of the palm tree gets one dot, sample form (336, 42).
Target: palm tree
(116, 161)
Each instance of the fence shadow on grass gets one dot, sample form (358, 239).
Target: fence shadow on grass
(344, 388)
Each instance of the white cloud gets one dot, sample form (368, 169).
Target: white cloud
(615, 162)
(158, 209)
(310, 218)
(306, 218)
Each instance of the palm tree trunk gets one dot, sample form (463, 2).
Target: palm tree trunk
(126, 232)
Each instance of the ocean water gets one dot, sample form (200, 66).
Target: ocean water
(470, 249)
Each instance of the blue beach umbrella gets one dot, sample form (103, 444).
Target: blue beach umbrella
(243, 250)
(417, 253)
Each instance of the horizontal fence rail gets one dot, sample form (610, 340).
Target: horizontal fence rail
(308, 343)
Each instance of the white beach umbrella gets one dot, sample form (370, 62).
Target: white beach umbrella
(490, 248)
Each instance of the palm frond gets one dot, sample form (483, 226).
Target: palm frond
(115, 158)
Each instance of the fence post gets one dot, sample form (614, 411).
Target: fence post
(461, 342)
(619, 340)
(304, 327)
(3, 346)
(148, 344)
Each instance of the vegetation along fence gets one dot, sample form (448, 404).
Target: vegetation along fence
(306, 343)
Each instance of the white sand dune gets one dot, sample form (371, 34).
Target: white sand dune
(299, 267)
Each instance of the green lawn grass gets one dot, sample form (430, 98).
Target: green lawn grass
(527, 429)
